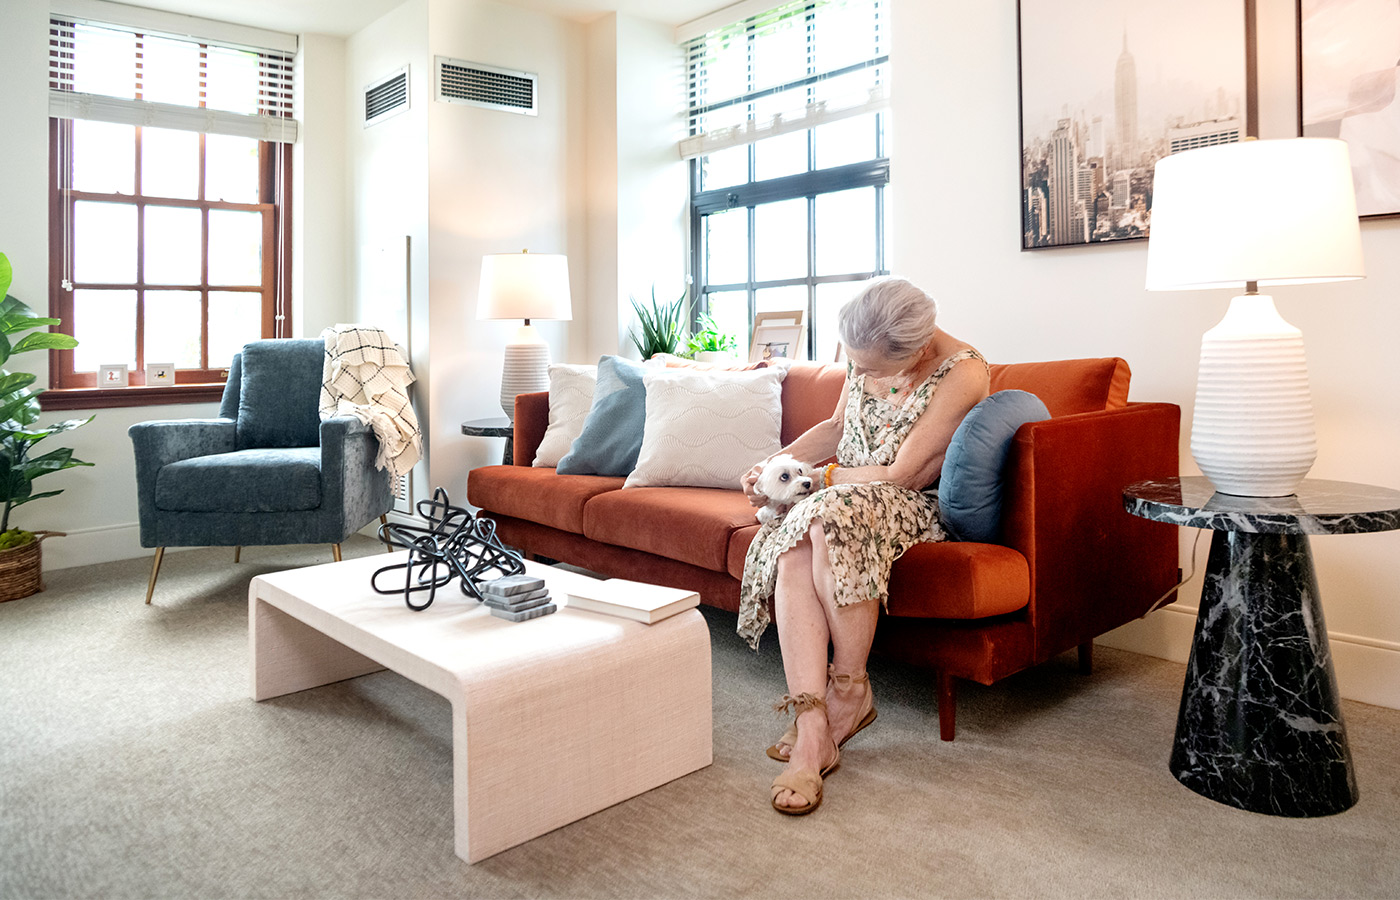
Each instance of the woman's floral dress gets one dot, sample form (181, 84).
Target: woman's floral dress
(867, 526)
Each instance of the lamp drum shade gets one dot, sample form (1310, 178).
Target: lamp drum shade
(524, 286)
(1272, 212)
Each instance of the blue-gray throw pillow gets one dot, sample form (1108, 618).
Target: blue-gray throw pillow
(611, 437)
(279, 398)
(969, 490)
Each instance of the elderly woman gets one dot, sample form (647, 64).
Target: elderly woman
(827, 563)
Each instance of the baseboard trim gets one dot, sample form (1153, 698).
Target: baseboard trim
(1368, 669)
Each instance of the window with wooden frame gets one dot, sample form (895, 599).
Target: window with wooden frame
(170, 163)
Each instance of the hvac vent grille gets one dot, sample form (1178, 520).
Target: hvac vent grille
(387, 97)
(476, 84)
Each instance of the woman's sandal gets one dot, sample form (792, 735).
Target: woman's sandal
(804, 783)
(837, 682)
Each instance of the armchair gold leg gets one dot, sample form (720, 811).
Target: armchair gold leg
(388, 547)
(237, 551)
(335, 551)
(155, 570)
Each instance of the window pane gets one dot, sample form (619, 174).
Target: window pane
(230, 169)
(784, 299)
(727, 247)
(235, 247)
(104, 243)
(104, 62)
(785, 154)
(104, 157)
(830, 299)
(846, 34)
(172, 246)
(731, 313)
(846, 232)
(780, 52)
(235, 318)
(172, 328)
(723, 68)
(724, 168)
(105, 326)
(232, 80)
(169, 163)
(169, 73)
(844, 142)
(780, 240)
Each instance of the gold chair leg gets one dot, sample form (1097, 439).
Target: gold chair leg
(335, 551)
(237, 551)
(388, 547)
(155, 570)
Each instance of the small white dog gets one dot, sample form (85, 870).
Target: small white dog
(784, 481)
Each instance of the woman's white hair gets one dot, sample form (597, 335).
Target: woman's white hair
(891, 317)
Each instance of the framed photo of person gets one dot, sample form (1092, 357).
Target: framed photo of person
(776, 342)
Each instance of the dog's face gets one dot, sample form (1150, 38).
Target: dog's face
(786, 480)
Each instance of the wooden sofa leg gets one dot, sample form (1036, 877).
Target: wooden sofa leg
(947, 705)
(335, 551)
(1086, 658)
(237, 552)
(155, 570)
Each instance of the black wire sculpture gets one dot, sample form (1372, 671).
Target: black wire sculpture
(457, 545)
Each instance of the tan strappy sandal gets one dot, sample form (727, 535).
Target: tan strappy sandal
(805, 783)
(834, 682)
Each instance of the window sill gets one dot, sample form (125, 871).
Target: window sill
(140, 395)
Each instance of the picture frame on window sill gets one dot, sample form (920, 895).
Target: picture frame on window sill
(112, 376)
(776, 342)
(160, 373)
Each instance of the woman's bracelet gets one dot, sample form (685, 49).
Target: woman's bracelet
(827, 477)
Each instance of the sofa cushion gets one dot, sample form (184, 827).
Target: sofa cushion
(537, 495)
(260, 480)
(612, 433)
(707, 428)
(688, 524)
(1068, 386)
(570, 398)
(973, 581)
(810, 394)
(974, 468)
(280, 395)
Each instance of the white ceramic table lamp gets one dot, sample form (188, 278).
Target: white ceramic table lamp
(524, 286)
(1243, 215)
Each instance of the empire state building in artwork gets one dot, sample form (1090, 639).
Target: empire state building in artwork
(1125, 107)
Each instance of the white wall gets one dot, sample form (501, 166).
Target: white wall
(956, 224)
(320, 292)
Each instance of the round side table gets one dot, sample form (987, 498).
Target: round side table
(499, 426)
(1260, 726)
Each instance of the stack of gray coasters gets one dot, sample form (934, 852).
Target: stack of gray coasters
(517, 597)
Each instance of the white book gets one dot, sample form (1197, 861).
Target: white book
(648, 603)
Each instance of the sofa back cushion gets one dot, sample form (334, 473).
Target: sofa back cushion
(1068, 386)
(279, 394)
(810, 393)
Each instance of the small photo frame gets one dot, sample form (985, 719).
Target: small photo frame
(160, 373)
(111, 376)
(776, 342)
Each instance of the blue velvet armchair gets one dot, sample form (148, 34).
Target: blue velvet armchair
(267, 471)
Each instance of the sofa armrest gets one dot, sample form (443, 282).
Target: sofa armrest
(158, 444)
(1093, 566)
(531, 422)
(349, 480)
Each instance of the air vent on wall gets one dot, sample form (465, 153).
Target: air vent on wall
(493, 88)
(386, 97)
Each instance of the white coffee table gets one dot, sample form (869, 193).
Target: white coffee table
(553, 719)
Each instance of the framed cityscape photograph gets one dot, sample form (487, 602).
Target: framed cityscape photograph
(1106, 95)
(1348, 84)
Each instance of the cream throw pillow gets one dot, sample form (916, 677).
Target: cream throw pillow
(707, 428)
(570, 397)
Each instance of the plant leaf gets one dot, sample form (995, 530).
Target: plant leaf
(20, 501)
(45, 340)
(7, 274)
(11, 324)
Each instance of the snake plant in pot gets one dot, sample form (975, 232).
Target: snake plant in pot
(20, 560)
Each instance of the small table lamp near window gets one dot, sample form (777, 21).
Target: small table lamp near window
(1274, 212)
(524, 286)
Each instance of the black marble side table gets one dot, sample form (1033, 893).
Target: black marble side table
(499, 426)
(1260, 726)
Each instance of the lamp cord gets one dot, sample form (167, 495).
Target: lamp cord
(1160, 601)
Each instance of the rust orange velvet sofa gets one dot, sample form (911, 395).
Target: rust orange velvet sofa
(1072, 563)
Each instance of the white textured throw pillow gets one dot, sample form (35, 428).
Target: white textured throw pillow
(570, 396)
(707, 428)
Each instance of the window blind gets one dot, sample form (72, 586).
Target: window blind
(788, 69)
(112, 73)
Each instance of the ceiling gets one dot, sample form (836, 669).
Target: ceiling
(345, 17)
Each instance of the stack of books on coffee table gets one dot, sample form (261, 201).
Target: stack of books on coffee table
(517, 597)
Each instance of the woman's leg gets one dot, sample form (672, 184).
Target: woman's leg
(803, 634)
(851, 629)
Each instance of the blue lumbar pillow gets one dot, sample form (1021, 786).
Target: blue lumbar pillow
(969, 491)
(611, 437)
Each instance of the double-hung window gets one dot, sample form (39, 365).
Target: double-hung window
(169, 174)
(787, 115)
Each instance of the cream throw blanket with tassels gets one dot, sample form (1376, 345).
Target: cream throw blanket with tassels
(367, 376)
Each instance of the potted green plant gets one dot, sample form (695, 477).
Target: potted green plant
(20, 559)
(661, 326)
(710, 344)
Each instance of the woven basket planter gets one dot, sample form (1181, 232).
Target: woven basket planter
(21, 568)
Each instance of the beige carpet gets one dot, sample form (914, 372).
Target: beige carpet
(133, 764)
